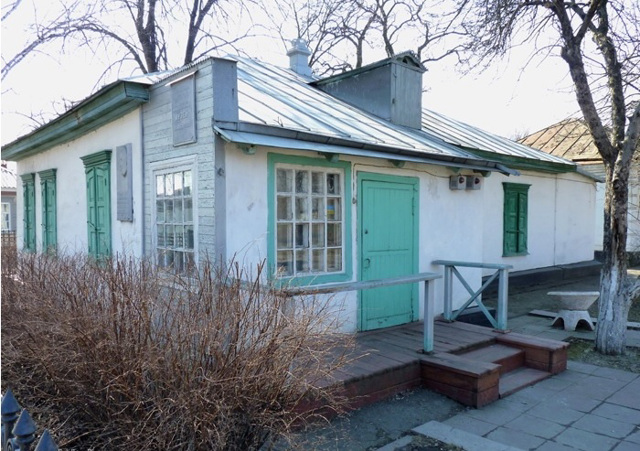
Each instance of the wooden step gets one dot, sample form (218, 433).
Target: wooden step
(520, 378)
(509, 358)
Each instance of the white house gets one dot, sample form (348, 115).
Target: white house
(340, 179)
(571, 139)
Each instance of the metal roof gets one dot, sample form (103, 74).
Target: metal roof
(465, 135)
(277, 98)
(568, 139)
(9, 179)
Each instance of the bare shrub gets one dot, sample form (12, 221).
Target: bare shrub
(117, 353)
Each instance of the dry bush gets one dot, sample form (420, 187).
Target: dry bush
(122, 354)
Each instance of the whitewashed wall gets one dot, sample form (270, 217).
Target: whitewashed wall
(561, 220)
(72, 191)
(454, 225)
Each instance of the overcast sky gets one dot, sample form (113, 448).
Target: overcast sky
(508, 99)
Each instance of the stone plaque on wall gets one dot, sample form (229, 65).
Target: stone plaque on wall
(183, 110)
(124, 183)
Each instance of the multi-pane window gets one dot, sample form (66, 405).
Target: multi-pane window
(6, 216)
(174, 220)
(309, 220)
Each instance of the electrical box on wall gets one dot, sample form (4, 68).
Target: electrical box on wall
(474, 182)
(457, 182)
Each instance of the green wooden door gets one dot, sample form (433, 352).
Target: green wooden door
(99, 210)
(388, 233)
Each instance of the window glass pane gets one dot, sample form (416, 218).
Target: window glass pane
(302, 260)
(333, 183)
(302, 235)
(161, 257)
(302, 182)
(188, 237)
(188, 210)
(187, 185)
(285, 262)
(169, 236)
(334, 234)
(161, 240)
(317, 183)
(168, 210)
(285, 236)
(318, 260)
(168, 258)
(179, 234)
(284, 180)
(334, 209)
(177, 210)
(177, 184)
(302, 209)
(160, 211)
(168, 185)
(284, 208)
(317, 208)
(178, 263)
(334, 260)
(318, 235)
(160, 185)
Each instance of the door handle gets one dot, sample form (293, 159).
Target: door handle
(366, 263)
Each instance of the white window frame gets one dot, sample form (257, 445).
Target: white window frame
(171, 166)
(310, 169)
(6, 226)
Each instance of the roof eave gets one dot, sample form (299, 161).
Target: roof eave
(109, 103)
(524, 163)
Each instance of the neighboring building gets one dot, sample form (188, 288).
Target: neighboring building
(340, 179)
(571, 139)
(8, 197)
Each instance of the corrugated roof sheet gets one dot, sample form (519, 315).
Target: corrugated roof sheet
(9, 179)
(277, 97)
(465, 135)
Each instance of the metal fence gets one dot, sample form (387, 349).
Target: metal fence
(19, 429)
(8, 239)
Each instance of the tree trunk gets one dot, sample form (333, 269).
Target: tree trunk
(615, 295)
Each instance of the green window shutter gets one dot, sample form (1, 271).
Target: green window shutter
(515, 219)
(49, 211)
(97, 170)
(29, 192)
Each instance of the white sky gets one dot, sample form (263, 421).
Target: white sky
(505, 99)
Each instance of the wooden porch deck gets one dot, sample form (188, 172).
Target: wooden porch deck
(472, 364)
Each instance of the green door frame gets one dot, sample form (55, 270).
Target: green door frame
(405, 180)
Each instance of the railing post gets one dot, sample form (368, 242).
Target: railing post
(24, 431)
(10, 411)
(448, 292)
(428, 320)
(503, 298)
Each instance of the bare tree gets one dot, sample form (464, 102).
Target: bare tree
(339, 32)
(142, 31)
(605, 71)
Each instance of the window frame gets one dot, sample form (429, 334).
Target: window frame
(8, 225)
(172, 166)
(48, 189)
(29, 212)
(308, 163)
(521, 193)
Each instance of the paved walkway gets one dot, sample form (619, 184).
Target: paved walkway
(587, 407)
